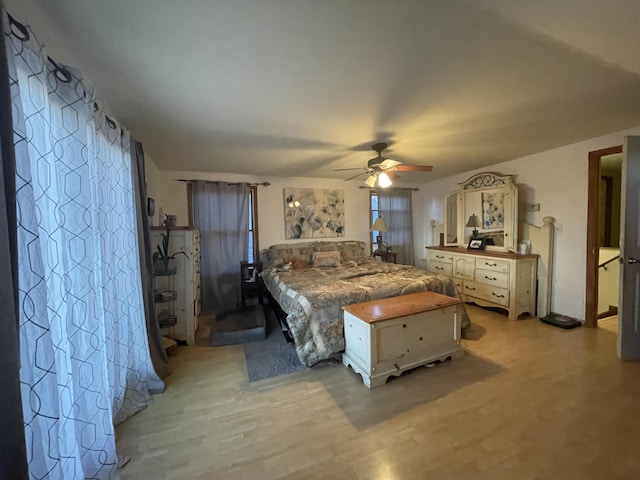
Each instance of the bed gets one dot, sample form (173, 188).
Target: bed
(311, 281)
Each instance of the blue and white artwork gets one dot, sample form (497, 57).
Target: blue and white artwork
(493, 211)
(313, 213)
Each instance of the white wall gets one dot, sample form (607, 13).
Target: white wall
(172, 197)
(558, 181)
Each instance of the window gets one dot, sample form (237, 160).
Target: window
(374, 212)
(394, 206)
(252, 245)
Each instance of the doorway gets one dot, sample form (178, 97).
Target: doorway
(600, 226)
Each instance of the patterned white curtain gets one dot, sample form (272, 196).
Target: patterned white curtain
(396, 208)
(85, 362)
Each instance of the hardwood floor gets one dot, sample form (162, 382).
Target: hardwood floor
(609, 323)
(527, 401)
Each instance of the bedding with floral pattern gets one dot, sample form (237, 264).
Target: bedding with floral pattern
(313, 296)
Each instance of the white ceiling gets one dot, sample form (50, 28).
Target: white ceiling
(301, 87)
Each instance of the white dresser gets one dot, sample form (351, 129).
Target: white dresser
(492, 279)
(187, 279)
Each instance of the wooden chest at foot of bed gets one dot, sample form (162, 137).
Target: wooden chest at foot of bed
(389, 336)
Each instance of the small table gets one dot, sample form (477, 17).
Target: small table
(249, 280)
(386, 256)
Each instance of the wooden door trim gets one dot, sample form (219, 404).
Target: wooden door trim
(608, 208)
(190, 204)
(591, 303)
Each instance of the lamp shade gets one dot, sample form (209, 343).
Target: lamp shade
(379, 225)
(473, 221)
(370, 181)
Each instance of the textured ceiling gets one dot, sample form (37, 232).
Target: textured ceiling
(299, 88)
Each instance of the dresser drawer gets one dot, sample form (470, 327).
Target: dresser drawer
(442, 257)
(487, 292)
(441, 268)
(493, 264)
(492, 277)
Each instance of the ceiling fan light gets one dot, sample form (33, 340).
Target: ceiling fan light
(383, 180)
(371, 181)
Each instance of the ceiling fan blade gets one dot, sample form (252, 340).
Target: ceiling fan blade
(388, 163)
(357, 175)
(392, 175)
(411, 168)
(345, 169)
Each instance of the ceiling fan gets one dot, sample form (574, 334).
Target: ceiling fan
(382, 170)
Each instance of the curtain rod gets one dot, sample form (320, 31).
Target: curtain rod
(413, 189)
(262, 184)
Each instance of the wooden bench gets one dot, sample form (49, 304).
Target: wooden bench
(389, 336)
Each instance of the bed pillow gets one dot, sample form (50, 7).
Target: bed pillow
(326, 259)
(351, 250)
(278, 257)
(325, 247)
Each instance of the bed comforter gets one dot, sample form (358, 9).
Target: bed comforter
(312, 298)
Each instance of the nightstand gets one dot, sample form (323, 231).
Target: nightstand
(385, 256)
(250, 281)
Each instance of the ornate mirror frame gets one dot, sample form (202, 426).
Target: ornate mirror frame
(493, 198)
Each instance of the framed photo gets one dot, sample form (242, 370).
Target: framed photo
(477, 244)
(151, 206)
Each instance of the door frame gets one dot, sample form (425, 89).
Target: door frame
(591, 294)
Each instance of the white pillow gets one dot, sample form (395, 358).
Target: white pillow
(326, 259)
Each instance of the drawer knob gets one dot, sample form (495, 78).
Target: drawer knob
(491, 264)
(499, 296)
(491, 278)
(469, 288)
(439, 268)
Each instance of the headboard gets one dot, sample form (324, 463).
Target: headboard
(282, 253)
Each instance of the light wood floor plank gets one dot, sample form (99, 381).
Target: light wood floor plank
(527, 401)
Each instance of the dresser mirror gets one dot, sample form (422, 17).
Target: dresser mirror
(451, 219)
(485, 206)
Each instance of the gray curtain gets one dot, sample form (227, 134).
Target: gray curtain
(396, 208)
(158, 353)
(221, 213)
(13, 463)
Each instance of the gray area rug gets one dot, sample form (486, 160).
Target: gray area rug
(239, 325)
(272, 356)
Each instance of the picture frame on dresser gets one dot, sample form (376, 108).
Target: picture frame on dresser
(477, 244)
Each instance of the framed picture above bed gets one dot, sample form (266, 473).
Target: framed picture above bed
(313, 213)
